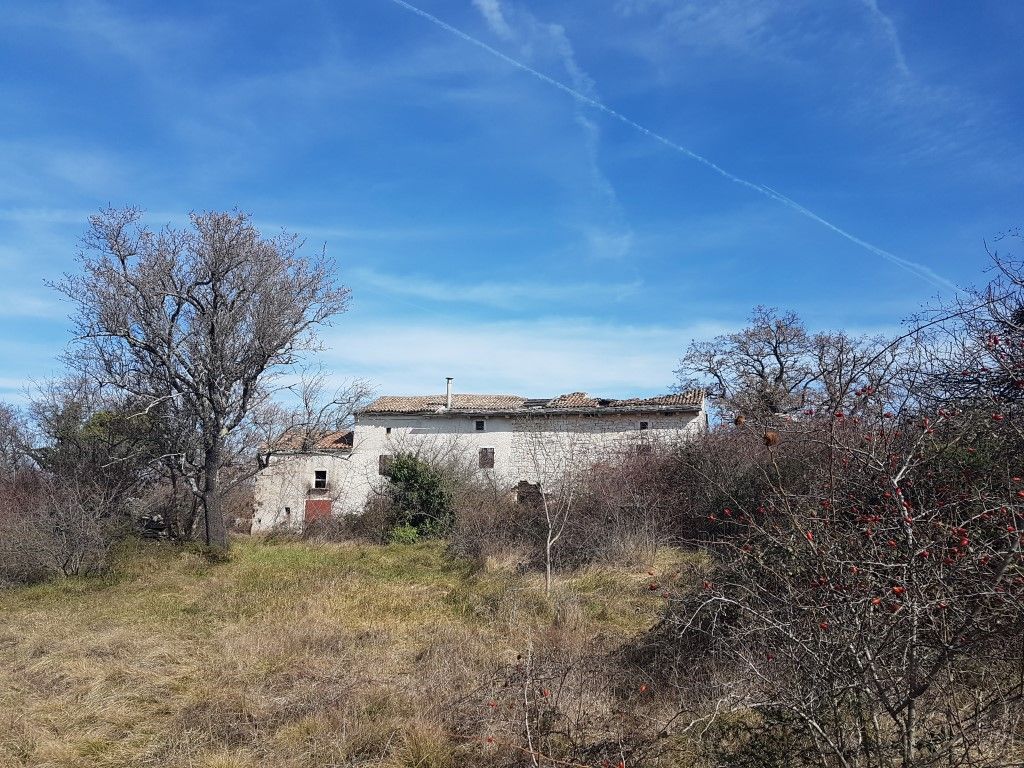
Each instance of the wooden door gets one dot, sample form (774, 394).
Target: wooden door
(317, 509)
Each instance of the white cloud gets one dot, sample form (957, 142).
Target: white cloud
(498, 294)
(891, 34)
(539, 358)
(45, 215)
(492, 13)
(740, 26)
(397, 233)
(609, 242)
(37, 170)
(538, 41)
(22, 304)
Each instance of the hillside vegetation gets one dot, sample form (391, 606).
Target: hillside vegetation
(300, 654)
(852, 596)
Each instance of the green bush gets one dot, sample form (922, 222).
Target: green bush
(420, 495)
(404, 534)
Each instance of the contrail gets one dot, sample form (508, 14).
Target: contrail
(920, 270)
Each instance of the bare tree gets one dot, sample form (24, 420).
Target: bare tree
(84, 433)
(774, 367)
(866, 594)
(976, 345)
(13, 443)
(559, 460)
(301, 422)
(763, 369)
(196, 322)
(84, 458)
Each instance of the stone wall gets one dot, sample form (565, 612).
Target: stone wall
(534, 448)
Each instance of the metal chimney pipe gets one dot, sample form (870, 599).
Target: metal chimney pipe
(448, 392)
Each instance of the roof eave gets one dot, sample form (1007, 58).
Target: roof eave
(596, 411)
(308, 451)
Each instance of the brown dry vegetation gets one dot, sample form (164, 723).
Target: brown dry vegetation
(303, 654)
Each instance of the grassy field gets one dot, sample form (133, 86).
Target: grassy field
(296, 655)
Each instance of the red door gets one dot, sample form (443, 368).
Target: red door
(317, 509)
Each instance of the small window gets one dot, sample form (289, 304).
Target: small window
(320, 478)
(387, 430)
(486, 458)
(287, 511)
(643, 425)
(480, 426)
(384, 463)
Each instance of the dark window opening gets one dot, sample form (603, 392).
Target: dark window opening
(486, 458)
(479, 426)
(528, 494)
(384, 463)
(287, 510)
(387, 431)
(643, 425)
(320, 478)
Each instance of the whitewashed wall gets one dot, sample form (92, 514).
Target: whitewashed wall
(283, 487)
(545, 446)
(532, 448)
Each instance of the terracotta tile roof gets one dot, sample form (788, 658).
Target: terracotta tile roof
(431, 403)
(690, 399)
(329, 441)
(693, 397)
(573, 400)
(411, 404)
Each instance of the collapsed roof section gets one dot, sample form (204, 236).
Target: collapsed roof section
(573, 402)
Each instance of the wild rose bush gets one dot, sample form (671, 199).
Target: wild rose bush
(870, 609)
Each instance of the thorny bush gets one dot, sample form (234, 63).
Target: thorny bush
(872, 606)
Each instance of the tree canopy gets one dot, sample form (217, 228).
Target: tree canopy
(195, 322)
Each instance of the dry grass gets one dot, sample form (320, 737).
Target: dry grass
(288, 655)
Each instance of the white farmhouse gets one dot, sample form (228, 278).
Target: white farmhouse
(511, 439)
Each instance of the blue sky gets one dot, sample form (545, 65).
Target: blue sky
(492, 227)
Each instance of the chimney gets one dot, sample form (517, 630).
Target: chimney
(448, 393)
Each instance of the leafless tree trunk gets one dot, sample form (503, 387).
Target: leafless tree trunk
(559, 459)
(196, 322)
